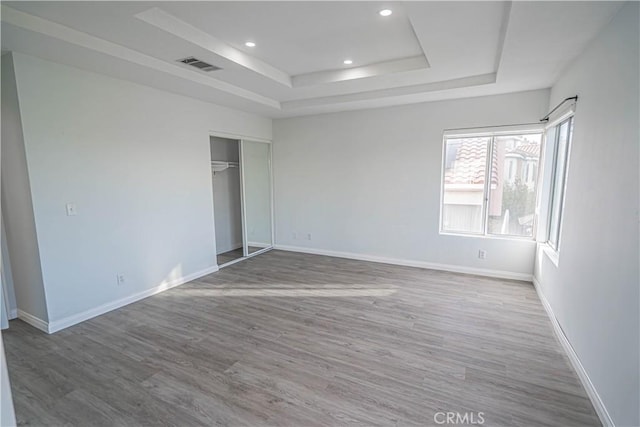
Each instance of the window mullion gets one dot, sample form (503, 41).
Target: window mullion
(539, 177)
(487, 186)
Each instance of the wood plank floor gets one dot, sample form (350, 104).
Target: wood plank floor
(290, 339)
(225, 257)
(234, 254)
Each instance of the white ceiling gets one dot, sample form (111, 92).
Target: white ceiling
(304, 37)
(424, 51)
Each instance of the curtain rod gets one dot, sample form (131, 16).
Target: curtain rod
(492, 127)
(546, 118)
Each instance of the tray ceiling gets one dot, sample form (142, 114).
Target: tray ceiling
(423, 51)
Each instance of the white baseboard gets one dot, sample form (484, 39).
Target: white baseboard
(34, 321)
(57, 325)
(597, 402)
(410, 263)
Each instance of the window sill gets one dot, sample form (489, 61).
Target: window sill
(488, 236)
(552, 254)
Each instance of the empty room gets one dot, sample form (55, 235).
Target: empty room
(320, 213)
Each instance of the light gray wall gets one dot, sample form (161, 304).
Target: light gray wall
(4, 316)
(7, 415)
(226, 196)
(225, 149)
(368, 182)
(136, 161)
(17, 206)
(594, 290)
(7, 274)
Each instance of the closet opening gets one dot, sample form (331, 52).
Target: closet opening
(227, 203)
(242, 198)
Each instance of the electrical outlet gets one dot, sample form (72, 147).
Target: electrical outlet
(308, 236)
(482, 254)
(120, 278)
(294, 235)
(72, 210)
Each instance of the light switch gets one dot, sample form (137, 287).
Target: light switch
(71, 209)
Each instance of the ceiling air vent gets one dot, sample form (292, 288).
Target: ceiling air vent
(200, 65)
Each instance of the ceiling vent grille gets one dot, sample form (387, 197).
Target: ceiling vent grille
(200, 65)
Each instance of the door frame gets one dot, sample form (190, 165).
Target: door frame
(245, 245)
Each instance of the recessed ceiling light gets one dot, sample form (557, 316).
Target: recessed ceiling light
(347, 62)
(385, 12)
(250, 44)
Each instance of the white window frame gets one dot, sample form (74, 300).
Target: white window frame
(492, 133)
(555, 125)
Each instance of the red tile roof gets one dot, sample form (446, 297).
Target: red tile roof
(470, 163)
(528, 150)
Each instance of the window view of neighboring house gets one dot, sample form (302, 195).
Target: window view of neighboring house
(463, 201)
(504, 203)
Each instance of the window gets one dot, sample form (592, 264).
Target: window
(489, 183)
(560, 135)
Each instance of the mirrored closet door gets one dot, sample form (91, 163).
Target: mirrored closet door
(242, 198)
(257, 196)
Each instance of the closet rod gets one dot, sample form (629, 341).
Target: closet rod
(222, 162)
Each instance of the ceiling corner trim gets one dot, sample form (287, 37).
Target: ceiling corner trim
(78, 38)
(415, 35)
(506, 15)
(179, 28)
(464, 82)
(372, 70)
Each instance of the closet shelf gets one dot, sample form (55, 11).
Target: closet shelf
(219, 166)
